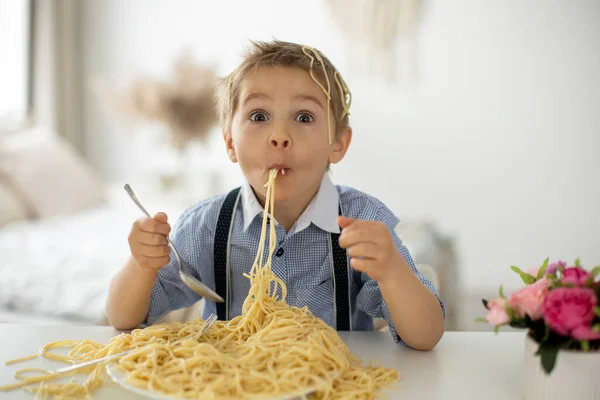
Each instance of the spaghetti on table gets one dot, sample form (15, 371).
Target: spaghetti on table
(271, 350)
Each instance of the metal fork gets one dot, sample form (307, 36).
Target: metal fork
(207, 324)
(188, 279)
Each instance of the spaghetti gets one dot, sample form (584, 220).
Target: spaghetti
(271, 350)
(345, 94)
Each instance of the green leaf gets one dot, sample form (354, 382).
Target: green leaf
(593, 275)
(546, 335)
(596, 328)
(518, 323)
(480, 320)
(501, 292)
(589, 281)
(597, 310)
(485, 303)
(510, 312)
(548, 354)
(543, 269)
(496, 329)
(578, 262)
(585, 345)
(527, 279)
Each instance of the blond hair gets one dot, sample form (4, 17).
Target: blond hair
(292, 55)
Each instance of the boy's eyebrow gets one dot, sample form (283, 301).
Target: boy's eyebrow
(309, 98)
(303, 97)
(256, 95)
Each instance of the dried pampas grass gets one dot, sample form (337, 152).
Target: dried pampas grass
(185, 104)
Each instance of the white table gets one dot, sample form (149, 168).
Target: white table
(464, 365)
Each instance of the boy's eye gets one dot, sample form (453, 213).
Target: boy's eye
(304, 118)
(258, 117)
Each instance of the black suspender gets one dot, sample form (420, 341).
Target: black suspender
(340, 273)
(220, 247)
(341, 284)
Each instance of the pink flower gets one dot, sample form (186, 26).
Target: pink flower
(554, 266)
(570, 311)
(575, 275)
(497, 312)
(529, 300)
(585, 333)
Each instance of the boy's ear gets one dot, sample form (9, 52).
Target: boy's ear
(230, 147)
(340, 146)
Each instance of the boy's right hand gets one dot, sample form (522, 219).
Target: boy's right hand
(148, 242)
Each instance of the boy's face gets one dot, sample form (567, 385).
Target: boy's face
(281, 122)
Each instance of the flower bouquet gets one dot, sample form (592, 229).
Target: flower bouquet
(559, 306)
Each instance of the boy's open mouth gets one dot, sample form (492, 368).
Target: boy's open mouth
(282, 169)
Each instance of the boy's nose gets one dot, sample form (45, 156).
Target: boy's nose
(280, 141)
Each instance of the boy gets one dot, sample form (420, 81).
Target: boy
(275, 113)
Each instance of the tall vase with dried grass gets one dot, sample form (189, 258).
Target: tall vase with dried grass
(183, 106)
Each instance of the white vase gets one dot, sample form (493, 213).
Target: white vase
(576, 375)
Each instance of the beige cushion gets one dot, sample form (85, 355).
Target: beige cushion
(47, 174)
(11, 206)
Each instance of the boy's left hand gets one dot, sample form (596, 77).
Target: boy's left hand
(370, 247)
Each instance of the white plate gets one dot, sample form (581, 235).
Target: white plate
(119, 377)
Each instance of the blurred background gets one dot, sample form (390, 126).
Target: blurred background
(477, 123)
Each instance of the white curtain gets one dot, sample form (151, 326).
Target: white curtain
(57, 88)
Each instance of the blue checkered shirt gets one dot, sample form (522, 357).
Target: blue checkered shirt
(303, 264)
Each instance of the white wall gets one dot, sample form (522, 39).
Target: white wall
(497, 143)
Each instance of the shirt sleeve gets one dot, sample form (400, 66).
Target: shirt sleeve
(193, 242)
(370, 299)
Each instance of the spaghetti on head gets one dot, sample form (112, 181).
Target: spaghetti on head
(291, 55)
(271, 350)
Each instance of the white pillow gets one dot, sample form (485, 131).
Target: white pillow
(48, 173)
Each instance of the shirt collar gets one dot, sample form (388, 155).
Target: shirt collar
(321, 211)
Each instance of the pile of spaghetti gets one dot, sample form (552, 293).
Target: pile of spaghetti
(272, 350)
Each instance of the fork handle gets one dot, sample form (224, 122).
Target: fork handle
(92, 362)
(135, 199)
(137, 202)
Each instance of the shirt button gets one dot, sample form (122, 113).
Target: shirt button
(279, 252)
